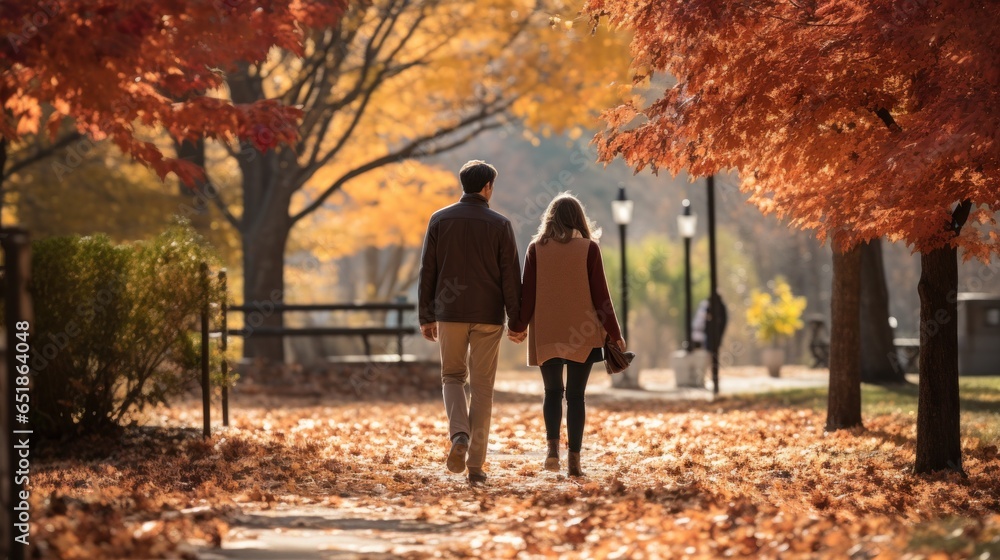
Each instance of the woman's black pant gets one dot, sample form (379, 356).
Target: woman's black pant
(577, 375)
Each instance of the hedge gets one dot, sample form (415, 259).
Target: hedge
(114, 327)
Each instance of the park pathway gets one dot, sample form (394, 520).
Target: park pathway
(341, 529)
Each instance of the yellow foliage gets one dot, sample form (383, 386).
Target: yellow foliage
(107, 192)
(386, 207)
(775, 315)
(557, 78)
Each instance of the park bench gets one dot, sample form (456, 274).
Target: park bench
(908, 353)
(819, 341)
(365, 333)
(907, 349)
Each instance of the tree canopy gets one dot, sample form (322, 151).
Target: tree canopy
(117, 70)
(857, 119)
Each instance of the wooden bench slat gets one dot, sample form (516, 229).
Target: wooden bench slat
(323, 331)
(270, 306)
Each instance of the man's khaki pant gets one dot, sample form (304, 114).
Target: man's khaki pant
(470, 351)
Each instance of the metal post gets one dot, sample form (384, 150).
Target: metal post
(206, 401)
(17, 270)
(687, 287)
(224, 346)
(621, 230)
(399, 324)
(713, 290)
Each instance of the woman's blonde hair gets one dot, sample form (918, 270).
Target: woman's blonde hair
(565, 214)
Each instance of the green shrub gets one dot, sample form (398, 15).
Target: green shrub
(113, 327)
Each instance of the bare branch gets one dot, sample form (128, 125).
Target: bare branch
(224, 208)
(312, 65)
(411, 149)
(43, 153)
(316, 161)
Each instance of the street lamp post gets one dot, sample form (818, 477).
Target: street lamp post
(714, 307)
(621, 211)
(686, 224)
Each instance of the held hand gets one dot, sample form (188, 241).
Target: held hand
(430, 331)
(517, 337)
(621, 345)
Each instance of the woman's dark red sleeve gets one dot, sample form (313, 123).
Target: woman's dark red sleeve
(527, 293)
(599, 293)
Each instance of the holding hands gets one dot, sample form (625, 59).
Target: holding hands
(517, 337)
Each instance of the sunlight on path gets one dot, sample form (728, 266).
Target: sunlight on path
(356, 530)
(317, 532)
(384, 525)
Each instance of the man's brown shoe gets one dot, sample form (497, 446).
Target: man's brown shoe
(476, 476)
(456, 457)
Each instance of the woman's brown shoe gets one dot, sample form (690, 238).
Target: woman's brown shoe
(574, 464)
(552, 461)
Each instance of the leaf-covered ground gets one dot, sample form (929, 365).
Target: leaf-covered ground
(741, 476)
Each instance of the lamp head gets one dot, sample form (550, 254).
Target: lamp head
(687, 222)
(621, 209)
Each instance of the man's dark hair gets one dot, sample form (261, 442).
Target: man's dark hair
(475, 175)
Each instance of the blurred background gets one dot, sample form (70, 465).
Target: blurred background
(527, 100)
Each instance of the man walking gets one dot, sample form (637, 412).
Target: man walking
(470, 275)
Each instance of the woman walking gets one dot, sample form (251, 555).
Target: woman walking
(567, 311)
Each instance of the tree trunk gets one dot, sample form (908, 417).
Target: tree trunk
(6, 476)
(264, 230)
(3, 177)
(264, 225)
(264, 286)
(844, 401)
(878, 353)
(938, 419)
(201, 216)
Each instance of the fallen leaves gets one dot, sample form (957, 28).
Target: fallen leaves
(665, 479)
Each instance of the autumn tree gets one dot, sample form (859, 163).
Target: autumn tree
(856, 119)
(96, 69)
(398, 80)
(107, 70)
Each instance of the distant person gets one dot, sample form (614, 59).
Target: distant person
(469, 276)
(567, 311)
(698, 325)
(702, 334)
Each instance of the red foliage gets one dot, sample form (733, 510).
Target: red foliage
(858, 119)
(113, 66)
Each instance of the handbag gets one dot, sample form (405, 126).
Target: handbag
(616, 361)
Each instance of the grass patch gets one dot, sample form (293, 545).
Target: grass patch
(978, 394)
(980, 402)
(956, 537)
